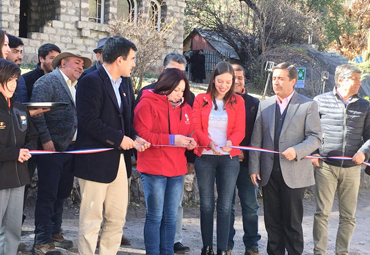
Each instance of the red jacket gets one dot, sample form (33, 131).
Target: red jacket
(235, 125)
(151, 123)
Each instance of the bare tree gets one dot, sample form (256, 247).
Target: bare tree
(150, 41)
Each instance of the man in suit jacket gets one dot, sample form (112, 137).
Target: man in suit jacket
(104, 121)
(288, 123)
(57, 132)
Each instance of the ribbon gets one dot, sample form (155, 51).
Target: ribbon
(247, 148)
(86, 151)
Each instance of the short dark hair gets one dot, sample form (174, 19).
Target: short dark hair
(14, 41)
(175, 57)
(292, 70)
(46, 48)
(221, 68)
(168, 81)
(2, 41)
(115, 47)
(8, 70)
(238, 67)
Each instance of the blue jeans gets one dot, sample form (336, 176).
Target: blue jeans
(54, 185)
(162, 198)
(225, 170)
(247, 192)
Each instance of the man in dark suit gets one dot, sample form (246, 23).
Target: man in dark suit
(288, 123)
(57, 132)
(105, 122)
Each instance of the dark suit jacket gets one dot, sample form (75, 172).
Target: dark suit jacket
(31, 77)
(102, 124)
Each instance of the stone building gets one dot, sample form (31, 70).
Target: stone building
(80, 23)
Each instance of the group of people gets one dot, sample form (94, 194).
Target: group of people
(173, 133)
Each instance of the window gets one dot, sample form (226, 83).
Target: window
(127, 10)
(96, 11)
(155, 12)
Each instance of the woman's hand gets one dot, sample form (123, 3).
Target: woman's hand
(214, 146)
(181, 140)
(192, 145)
(24, 155)
(141, 144)
(226, 147)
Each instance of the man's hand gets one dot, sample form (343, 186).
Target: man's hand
(141, 144)
(290, 153)
(226, 147)
(214, 146)
(190, 167)
(127, 143)
(24, 155)
(359, 158)
(254, 178)
(37, 112)
(315, 161)
(241, 157)
(48, 146)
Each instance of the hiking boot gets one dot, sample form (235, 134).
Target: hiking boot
(228, 252)
(46, 249)
(125, 241)
(60, 242)
(252, 252)
(180, 248)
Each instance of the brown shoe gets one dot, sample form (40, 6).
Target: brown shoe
(228, 252)
(47, 249)
(125, 241)
(59, 241)
(252, 252)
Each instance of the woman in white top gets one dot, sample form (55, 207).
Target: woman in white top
(219, 120)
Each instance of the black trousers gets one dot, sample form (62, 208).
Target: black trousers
(283, 212)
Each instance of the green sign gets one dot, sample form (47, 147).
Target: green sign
(301, 77)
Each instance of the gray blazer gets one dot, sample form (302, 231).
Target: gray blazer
(59, 124)
(301, 130)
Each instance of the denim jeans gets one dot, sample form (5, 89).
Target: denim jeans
(225, 170)
(54, 185)
(162, 198)
(247, 192)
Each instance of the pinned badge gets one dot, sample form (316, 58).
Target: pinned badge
(2, 125)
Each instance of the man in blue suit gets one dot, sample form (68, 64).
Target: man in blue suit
(104, 118)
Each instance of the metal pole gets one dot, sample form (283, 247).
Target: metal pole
(266, 85)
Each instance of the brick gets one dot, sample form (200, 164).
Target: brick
(48, 30)
(57, 24)
(44, 37)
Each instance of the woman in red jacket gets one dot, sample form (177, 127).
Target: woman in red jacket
(164, 119)
(219, 120)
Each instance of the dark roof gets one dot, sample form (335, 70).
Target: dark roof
(217, 42)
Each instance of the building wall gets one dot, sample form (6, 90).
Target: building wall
(66, 24)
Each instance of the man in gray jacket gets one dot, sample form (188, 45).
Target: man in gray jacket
(57, 132)
(288, 123)
(345, 121)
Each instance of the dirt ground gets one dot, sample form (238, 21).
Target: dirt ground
(191, 230)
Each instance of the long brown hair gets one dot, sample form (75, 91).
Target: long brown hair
(221, 68)
(2, 41)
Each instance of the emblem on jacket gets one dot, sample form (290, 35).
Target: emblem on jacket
(187, 120)
(2, 125)
(23, 120)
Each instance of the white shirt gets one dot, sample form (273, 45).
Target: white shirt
(72, 89)
(217, 127)
(115, 85)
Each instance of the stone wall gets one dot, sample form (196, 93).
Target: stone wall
(66, 24)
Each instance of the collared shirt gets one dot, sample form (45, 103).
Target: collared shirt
(72, 89)
(71, 86)
(115, 85)
(341, 98)
(284, 103)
